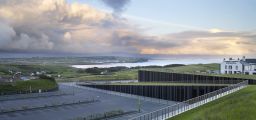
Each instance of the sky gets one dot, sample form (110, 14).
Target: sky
(129, 27)
(180, 15)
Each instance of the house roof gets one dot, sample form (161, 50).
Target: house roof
(250, 61)
(244, 62)
(4, 79)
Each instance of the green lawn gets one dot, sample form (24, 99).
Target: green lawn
(132, 74)
(194, 68)
(42, 84)
(240, 105)
(121, 75)
(240, 76)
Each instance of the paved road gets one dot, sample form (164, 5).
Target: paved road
(107, 103)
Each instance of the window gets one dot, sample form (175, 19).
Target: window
(236, 67)
(230, 72)
(226, 72)
(226, 66)
(230, 67)
(234, 72)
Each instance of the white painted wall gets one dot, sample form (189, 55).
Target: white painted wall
(250, 69)
(231, 67)
(237, 66)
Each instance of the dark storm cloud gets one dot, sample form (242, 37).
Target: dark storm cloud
(117, 5)
(133, 39)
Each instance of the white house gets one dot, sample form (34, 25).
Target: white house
(250, 67)
(238, 66)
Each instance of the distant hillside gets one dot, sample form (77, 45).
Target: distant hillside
(71, 60)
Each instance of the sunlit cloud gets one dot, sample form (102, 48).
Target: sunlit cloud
(215, 30)
(206, 43)
(58, 26)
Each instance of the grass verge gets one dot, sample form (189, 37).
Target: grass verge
(240, 105)
(168, 84)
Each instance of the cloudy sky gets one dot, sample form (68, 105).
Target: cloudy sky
(129, 27)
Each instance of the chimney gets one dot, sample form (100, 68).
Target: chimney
(243, 58)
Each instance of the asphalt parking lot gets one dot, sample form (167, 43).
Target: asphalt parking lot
(107, 102)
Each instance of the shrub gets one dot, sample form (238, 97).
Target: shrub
(47, 77)
(174, 65)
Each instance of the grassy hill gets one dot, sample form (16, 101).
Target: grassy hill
(240, 105)
(194, 68)
(73, 74)
(24, 86)
(131, 74)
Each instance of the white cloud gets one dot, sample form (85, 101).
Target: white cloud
(6, 34)
(206, 43)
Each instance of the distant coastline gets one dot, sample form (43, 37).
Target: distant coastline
(151, 62)
(71, 60)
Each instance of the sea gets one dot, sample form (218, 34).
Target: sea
(157, 62)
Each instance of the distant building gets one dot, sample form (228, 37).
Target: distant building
(40, 72)
(238, 66)
(213, 71)
(5, 80)
(32, 74)
(16, 77)
(10, 79)
(2, 79)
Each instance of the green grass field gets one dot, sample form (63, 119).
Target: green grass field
(132, 74)
(193, 68)
(240, 105)
(120, 75)
(71, 74)
(37, 84)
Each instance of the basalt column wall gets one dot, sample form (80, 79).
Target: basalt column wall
(153, 76)
(173, 93)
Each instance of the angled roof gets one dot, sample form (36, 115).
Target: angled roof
(250, 61)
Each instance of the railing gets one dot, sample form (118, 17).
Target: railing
(179, 108)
